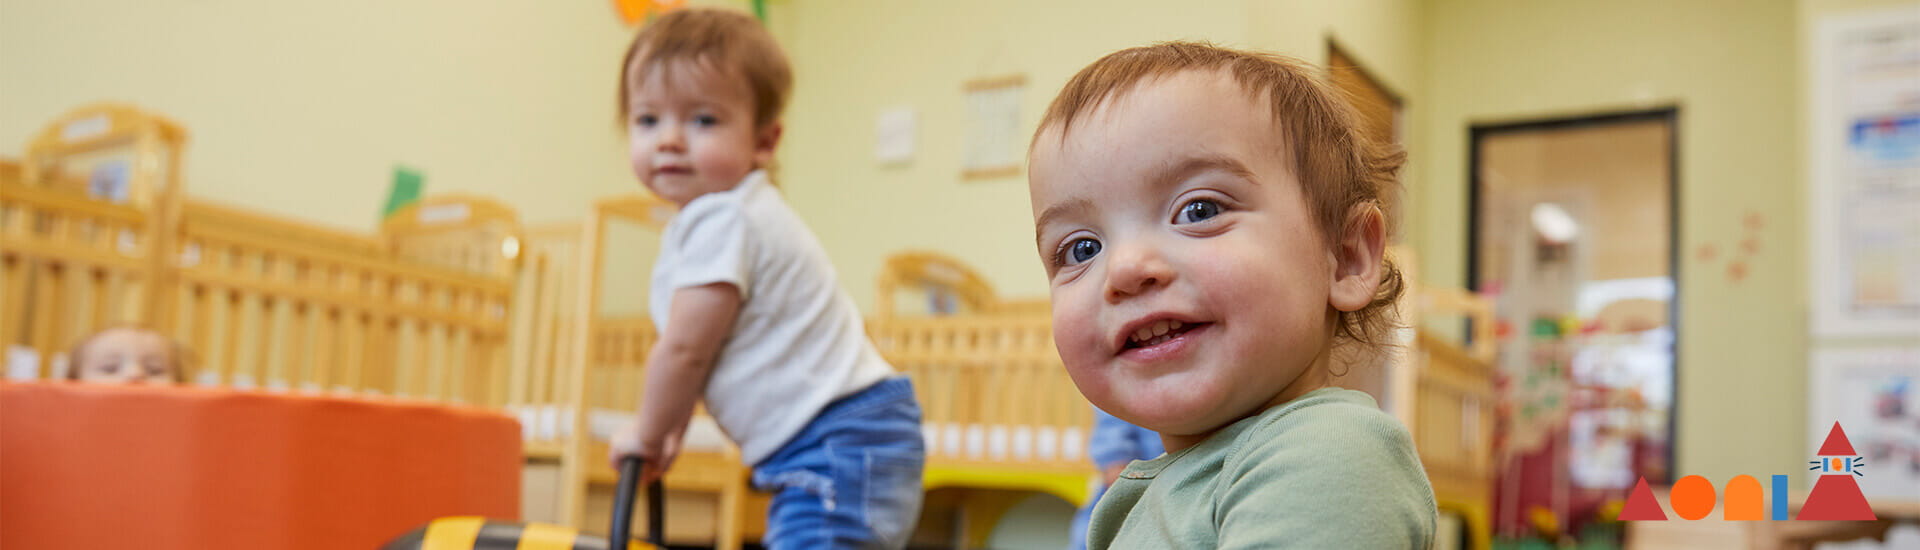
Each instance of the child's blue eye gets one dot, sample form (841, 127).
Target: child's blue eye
(646, 121)
(1080, 251)
(1197, 211)
(706, 120)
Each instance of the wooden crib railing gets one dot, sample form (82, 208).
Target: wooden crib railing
(98, 230)
(85, 215)
(283, 304)
(261, 301)
(1000, 411)
(67, 266)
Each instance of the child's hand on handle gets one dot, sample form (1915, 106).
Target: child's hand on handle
(657, 452)
(699, 321)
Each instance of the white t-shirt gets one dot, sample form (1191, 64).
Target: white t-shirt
(798, 343)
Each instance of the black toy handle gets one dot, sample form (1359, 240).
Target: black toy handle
(623, 507)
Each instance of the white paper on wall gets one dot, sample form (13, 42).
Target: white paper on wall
(1864, 209)
(993, 128)
(893, 136)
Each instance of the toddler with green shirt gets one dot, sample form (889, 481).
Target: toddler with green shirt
(1211, 227)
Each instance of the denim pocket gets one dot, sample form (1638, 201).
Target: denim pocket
(892, 493)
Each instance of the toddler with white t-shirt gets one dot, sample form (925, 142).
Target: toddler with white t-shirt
(751, 316)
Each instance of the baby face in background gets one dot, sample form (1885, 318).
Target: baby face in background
(126, 356)
(1190, 286)
(691, 131)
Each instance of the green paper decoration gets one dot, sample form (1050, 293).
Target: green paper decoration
(407, 185)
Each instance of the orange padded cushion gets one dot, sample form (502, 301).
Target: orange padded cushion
(94, 466)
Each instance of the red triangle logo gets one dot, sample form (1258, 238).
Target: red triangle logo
(1641, 506)
(1836, 498)
(1837, 443)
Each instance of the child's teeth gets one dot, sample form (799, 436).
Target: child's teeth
(1156, 333)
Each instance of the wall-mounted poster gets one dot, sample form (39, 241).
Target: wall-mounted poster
(1865, 179)
(994, 140)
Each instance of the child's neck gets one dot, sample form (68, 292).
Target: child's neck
(1314, 378)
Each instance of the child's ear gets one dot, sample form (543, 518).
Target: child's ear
(1358, 259)
(764, 141)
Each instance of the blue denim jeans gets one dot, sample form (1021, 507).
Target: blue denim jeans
(851, 478)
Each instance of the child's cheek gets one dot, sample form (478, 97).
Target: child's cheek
(1078, 338)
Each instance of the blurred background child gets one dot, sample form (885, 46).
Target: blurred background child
(127, 354)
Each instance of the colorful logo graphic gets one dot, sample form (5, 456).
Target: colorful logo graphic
(1836, 495)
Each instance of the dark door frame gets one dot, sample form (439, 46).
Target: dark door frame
(1671, 116)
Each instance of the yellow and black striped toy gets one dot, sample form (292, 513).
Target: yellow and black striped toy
(478, 533)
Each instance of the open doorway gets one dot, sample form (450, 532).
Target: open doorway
(1573, 234)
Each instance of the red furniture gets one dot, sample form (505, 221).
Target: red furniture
(89, 466)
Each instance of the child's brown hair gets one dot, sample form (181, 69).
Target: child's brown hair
(729, 41)
(1339, 167)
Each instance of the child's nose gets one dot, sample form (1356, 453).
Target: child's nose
(1135, 270)
(132, 371)
(671, 139)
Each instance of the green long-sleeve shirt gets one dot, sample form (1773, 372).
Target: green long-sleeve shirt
(1327, 470)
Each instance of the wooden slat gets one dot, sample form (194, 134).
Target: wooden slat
(351, 301)
(40, 199)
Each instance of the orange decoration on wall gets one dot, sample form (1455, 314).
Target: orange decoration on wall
(635, 12)
(1740, 256)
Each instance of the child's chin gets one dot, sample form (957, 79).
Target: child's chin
(1168, 417)
(1190, 413)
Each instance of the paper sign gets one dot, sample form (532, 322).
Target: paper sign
(85, 128)
(893, 136)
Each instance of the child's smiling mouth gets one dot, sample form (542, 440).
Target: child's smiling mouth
(1157, 338)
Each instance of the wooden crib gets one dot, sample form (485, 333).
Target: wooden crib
(99, 231)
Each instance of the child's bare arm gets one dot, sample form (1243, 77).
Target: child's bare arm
(698, 322)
